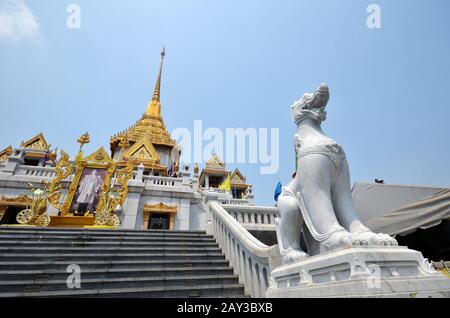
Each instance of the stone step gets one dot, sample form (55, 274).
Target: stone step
(38, 275)
(209, 290)
(117, 264)
(114, 263)
(102, 233)
(98, 238)
(74, 257)
(72, 243)
(122, 250)
(116, 282)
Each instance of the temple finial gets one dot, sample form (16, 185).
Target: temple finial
(154, 107)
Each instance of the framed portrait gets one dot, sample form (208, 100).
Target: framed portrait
(92, 174)
(87, 194)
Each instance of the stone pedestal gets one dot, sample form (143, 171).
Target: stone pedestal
(360, 272)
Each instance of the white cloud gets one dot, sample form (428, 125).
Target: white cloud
(17, 22)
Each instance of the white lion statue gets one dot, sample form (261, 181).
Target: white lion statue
(318, 202)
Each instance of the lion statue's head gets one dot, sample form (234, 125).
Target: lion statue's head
(311, 105)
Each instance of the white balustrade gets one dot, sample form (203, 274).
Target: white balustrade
(163, 181)
(217, 190)
(34, 171)
(253, 215)
(251, 259)
(234, 201)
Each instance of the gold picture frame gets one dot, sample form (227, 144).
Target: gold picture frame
(99, 160)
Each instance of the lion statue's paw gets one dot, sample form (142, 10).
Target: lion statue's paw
(376, 239)
(338, 239)
(293, 256)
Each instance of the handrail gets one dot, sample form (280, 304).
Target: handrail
(36, 171)
(162, 181)
(254, 215)
(251, 259)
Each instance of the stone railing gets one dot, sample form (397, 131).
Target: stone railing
(252, 260)
(217, 190)
(253, 215)
(162, 181)
(234, 201)
(34, 171)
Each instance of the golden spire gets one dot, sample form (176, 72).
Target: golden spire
(154, 107)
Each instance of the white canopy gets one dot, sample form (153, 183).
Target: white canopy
(397, 209)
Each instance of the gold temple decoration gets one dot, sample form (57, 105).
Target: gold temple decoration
(84, 139)
(149, 133)
(53, 154)
(5, 153)
(20, 201)
(63, 170)
(97, 160)
(142, 151)
(215, 162)
(196, 169)
(124, 143)
(110, 201)
(35, 213)
(38, 142)
(159, 208)
(154, 107)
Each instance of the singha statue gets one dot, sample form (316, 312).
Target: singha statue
(317, 202)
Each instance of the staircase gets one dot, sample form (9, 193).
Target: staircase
(113, 263)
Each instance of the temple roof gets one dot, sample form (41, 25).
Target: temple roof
(215, 162)
(38, 142)
(5, 153)
(150, 127)
(237, 179)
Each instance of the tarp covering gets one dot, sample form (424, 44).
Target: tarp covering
(397, 209)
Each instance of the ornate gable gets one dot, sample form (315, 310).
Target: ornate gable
(215, 162)
(5, 153)
(99, 156)
(237, 176)
(38, 142)
(142, 151)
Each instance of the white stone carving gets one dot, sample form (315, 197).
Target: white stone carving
(359, 272)
(318, 199)
(345, 259)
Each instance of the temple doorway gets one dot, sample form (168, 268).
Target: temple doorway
(9, 217)
(159, 217)
(159, 221)
(10, 207)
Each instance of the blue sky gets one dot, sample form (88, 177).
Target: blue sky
(240, 64)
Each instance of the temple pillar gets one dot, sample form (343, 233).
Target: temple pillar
(130, 211)
(182, 222)
(140, 173)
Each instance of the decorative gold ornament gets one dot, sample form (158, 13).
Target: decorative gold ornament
(35, 214)
(112, 198)
(53, 154)
(63, 170)
(124, 143)
(196, 169)
(84, 139)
